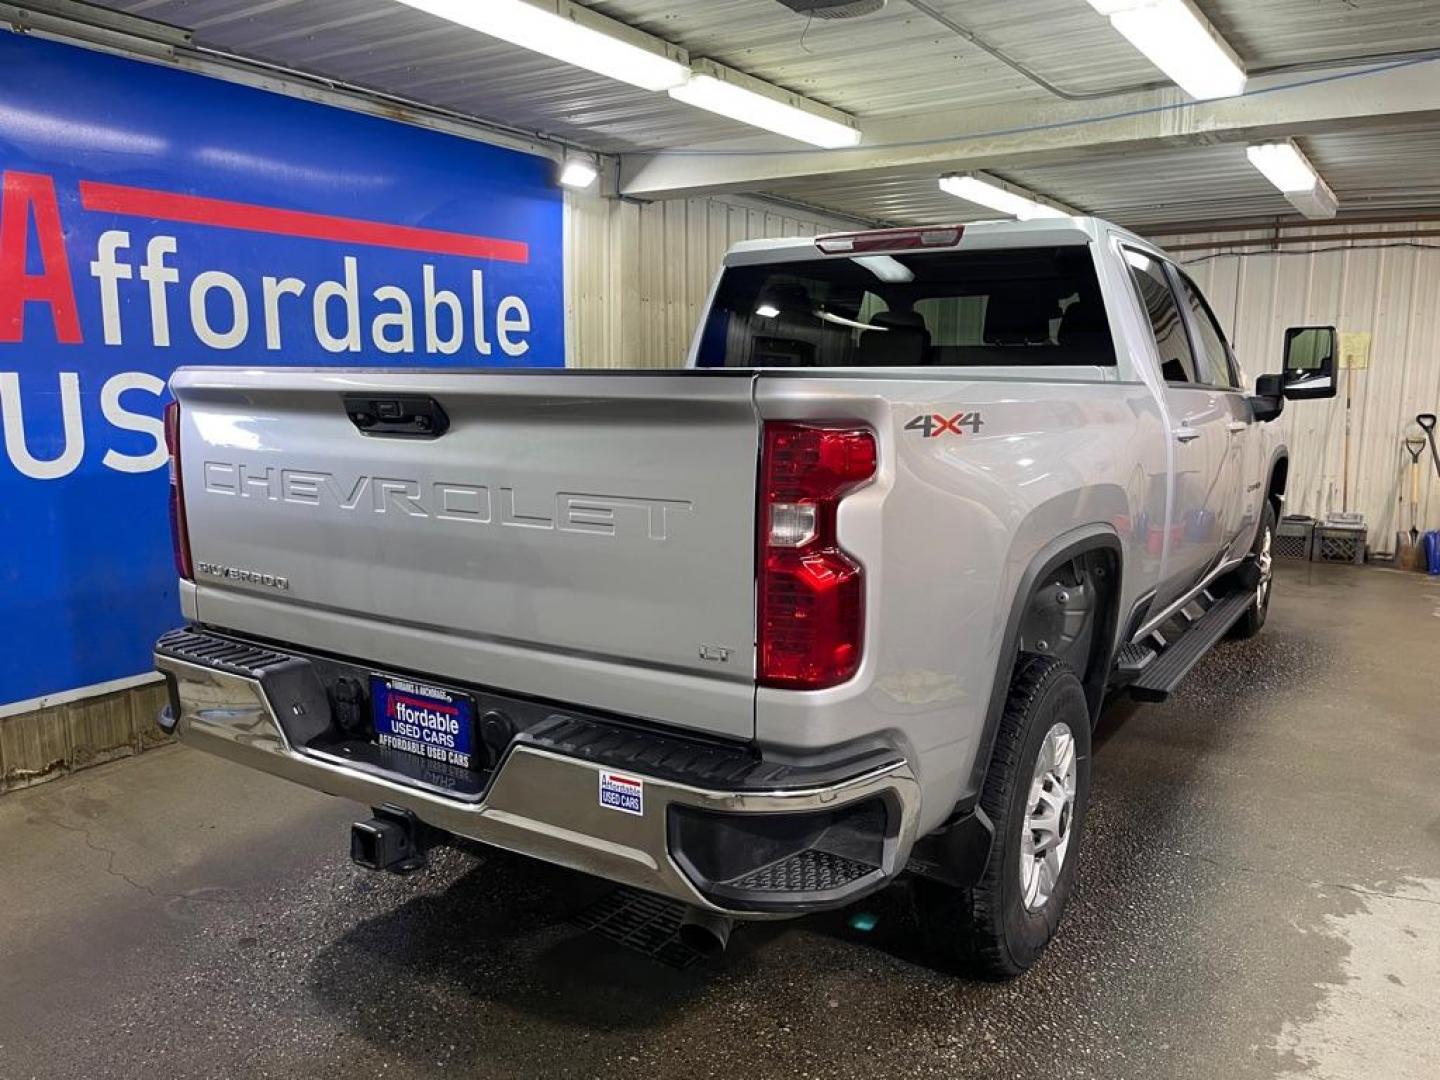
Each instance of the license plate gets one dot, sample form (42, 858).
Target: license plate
(428, 721)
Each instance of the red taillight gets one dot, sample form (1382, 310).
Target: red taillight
(811, 594)
(179, 531)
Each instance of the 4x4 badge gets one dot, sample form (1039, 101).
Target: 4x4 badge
(933, 425)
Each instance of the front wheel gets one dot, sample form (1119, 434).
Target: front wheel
(1263, 575)
(1035, 794)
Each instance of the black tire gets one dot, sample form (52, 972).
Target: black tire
(1254, 618)
(988, 931)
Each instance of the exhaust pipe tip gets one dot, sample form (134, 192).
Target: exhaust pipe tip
(705, 932)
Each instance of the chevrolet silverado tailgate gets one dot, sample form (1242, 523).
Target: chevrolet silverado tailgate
(579, 536)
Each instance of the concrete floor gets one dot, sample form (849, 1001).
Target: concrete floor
(1259, 896)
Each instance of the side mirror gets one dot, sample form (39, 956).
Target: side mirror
(1310, 355)
(1268, 402)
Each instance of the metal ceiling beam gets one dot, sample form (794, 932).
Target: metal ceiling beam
(1272, 242)
(1313, 230)
(1046, 133)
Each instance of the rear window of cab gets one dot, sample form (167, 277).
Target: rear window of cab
(912, 309)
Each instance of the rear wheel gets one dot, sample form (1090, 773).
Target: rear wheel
(1036, 793)
(1262, 573)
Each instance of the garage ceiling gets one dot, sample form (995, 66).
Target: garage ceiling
(1375, 173)
(900, 65)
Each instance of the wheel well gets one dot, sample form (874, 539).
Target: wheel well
(1071, 614)
(1096, 549)
(1279, 474)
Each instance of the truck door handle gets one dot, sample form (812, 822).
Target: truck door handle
(1236, 425)
(1186, 433)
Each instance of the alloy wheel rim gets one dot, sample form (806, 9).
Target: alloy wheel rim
(1049, 818)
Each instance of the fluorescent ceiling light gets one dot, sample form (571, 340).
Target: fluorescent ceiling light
(573, 34)
(730, 93)
(1288, 169)
(885, 267)
(1283, 165)
(998, 195)
(578, 172)
(767, 311)
(1177, 38)
(1319, 203)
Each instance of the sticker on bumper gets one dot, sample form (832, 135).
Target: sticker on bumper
(623, 793)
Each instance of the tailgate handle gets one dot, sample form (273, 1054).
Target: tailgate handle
(406, 416)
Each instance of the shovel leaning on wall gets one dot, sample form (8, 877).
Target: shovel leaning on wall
(1408, 554)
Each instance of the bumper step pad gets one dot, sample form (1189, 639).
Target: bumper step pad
(233, 657)
(805, 871)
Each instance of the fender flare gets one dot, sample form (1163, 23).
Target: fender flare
(1280, 458)
(1067, 546)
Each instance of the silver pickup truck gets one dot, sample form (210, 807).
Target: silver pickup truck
(837, 603)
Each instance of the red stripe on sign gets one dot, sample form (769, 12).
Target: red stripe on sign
(420, 703)
(198, 210)
(622, 780)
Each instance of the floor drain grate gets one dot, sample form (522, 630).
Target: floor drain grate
(648, 924)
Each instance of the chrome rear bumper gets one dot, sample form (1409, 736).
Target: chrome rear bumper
(539, 802)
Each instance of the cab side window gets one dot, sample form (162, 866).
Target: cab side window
(1217, 366)
(1177, 360)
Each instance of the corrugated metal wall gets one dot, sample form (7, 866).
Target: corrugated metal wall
(637, 274)
(1387, 287)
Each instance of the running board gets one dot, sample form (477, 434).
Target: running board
(1159, 677)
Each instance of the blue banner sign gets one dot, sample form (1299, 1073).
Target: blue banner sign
(150, 218)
